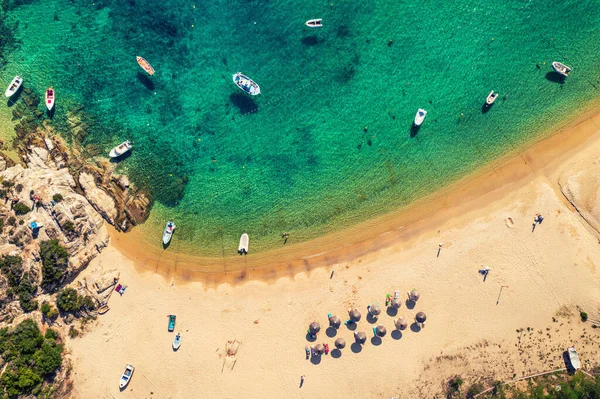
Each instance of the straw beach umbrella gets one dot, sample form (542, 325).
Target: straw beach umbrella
(401, 323)
(380, 330)
(375, 310)
(396, 303)
(414, 295)
(335, 322)
(340, 343)
(420, 317)
(360, 337)
(320, 349)
(354, 315)
(314, 328)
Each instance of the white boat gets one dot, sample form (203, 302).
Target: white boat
(168, 234)
(420, 117)
(126, 376)
(561, 68)
(314, 23)
(13, 86)
(120, 149)
(177, 341)
(245, 83)
(50, 99)
(574, 358)
(243, 247)
(491, 98)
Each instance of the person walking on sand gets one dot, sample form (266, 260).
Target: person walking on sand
(301, 381)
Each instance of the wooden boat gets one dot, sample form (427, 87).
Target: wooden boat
(172, 319)
(126, 376)
(168, 233)
(103, 309)
(245, 83)
(491, 98)
(14, 86)
(243, 247)
(177, 341)
(314, 23)
(120, 149)
(145, 65)
(574, 358)
(420, 117)
(561, 68)
(50, 99)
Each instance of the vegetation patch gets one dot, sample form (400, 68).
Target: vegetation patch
(55, 260)
(20, 284)
(68, 300)
(21, 209)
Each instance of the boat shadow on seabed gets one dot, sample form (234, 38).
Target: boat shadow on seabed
(122, 157)
(244, 103)
(145, 80)
(555, 77)
(15, 97)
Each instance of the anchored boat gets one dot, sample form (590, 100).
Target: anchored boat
(245, 83)
(50, 99)
(13, 86)
(145, 65)
(243, 247)
(120, 149)
(168, 233)
(314, 23)
(561, 68)
(420, 117)
(491, 98)
(574, 358)
(126, 376)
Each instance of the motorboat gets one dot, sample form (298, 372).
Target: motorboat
(14, 86)
(245, 83)
(145, 65)
(574, 358)
(243, 247)
(314, 23)
(168, 233)
(561, 68)
(172, 319)
(120, 149)
(126, 376)
(491, 98)
(420, 117)
(177, 341)
(50, 99)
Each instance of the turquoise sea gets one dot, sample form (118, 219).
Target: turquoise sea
(328, 143)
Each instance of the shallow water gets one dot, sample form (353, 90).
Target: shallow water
(328, 143)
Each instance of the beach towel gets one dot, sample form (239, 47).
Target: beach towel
(122, 290)
(118, 288)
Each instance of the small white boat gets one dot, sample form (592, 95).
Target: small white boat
(420, 117)
(13, 86)
(177, 341)
(50, 99)
(314, 23)
(561, 68)
(120, 149)
(168, 234)
(126, 376)
(574, 358)
(243, 247)
(491, 98)
(245, 83)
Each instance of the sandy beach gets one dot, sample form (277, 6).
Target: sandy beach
(515, 322)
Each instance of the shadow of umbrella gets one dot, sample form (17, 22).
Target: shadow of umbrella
(331, 332)
(396, 335)
(414, 327)
(336, 353)
(356, 347)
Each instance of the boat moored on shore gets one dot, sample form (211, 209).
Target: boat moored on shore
(126, 376)
(420, 117)
(244, 243)
(168, 233)
(246, 84)
(561, 68)
(14, 86)
(314, 23)
(120, 149)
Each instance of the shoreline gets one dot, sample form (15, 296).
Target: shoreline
(401, 227)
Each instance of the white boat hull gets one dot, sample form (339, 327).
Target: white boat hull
(561, 68)
(246, 84)
(14, 86)
(177, 341)
(574, 358)
(126, 376)
(314, 23)
(120, 149)
(168, 233)
(420, 117)
(491, 98)
(244, 243)
(50, 100)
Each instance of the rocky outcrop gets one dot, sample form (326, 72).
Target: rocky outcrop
(99, 199)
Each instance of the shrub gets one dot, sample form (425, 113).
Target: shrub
(21, 209)
(73, 332)
(45, 308)
(2, 194)
(584, 316)
(27, 289)
(12, 268)
(21, 222)
(88, 303)
(7, 183)
(51, 334)
(454, 385)
(11, 221)
(19, 187)
(55, 260)
(68, 300)
(68, 227)
(57, 197)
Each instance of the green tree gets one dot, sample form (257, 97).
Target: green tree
(55, 260)
(21, 209)
(68, 300)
